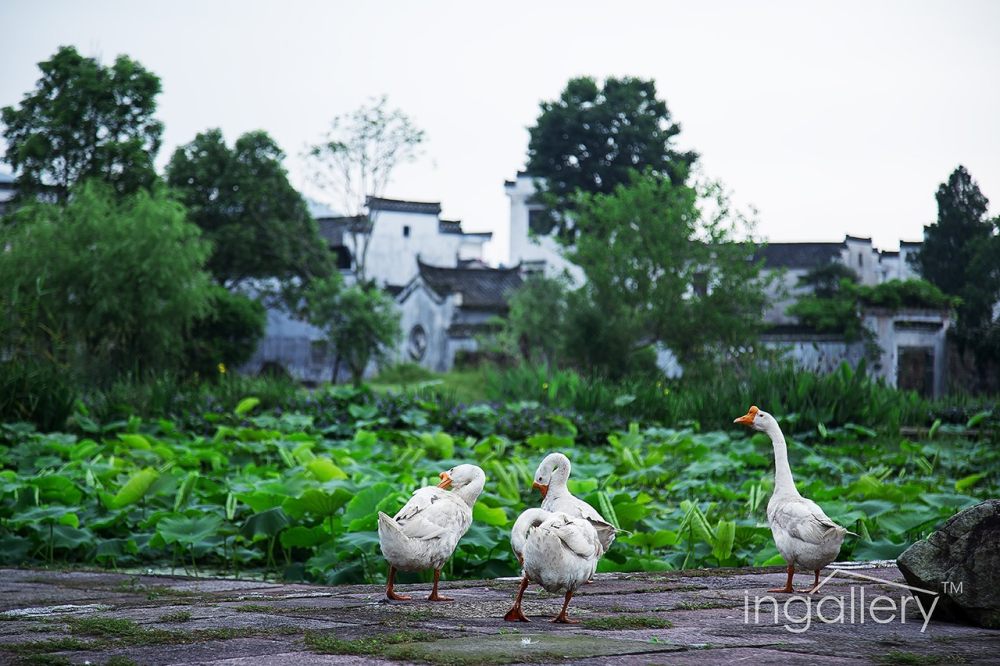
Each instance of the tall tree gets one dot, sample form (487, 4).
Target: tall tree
(356, 160)
(361, 322)
(103, 285)
(84, 120)
(593, 136)
(664, 270)
(258, 223)
(961, 229)
(961, 256)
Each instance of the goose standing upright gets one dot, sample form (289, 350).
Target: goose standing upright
(557, 551)
(425, 532)
(550, 479)
(804, 535)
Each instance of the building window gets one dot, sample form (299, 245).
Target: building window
(417, 343)
(860, 260)
(406, 231)
(540, 222)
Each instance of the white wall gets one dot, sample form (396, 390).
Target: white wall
(392, 257)
(524, 248)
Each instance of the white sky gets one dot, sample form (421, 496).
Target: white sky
(829, 117)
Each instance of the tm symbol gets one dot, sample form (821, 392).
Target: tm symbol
(951, 588)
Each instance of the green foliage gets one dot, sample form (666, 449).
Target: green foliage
(37, 391)
(837, 306)
(296, 490)
(961, 256)
(535, 325)
(593, 136)
(659, 270)
(361, 322)
(84, 121)
(102, 286)
(805, 400)
(240, 197)
(227, 333)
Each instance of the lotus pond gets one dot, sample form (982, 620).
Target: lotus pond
(293, 492)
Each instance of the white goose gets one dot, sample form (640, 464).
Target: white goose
(558, 552)
(425, 532)
(550, 479)
(804, 535)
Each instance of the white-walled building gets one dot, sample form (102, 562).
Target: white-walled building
(446, 294)
(531, 249)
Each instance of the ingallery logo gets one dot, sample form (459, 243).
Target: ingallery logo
(855, 606)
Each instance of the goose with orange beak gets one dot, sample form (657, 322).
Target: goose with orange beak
(804, 534)
(551, 479)
(424, 533)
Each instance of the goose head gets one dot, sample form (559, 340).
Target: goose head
(465, 480)
(757, 419)
(554, 469)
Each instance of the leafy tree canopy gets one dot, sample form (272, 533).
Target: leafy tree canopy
(361, 322)
(102, 286)
(258, 223)
(663, 269)
(593, 136)
(84, 120)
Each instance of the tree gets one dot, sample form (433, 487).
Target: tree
(361, 322)
(534, 325)
(665, 264)
(227, 333)
(103, 286)
(961, 256)
(593, 137)
(950, 246)
(356, 160)
(83, 121)
(259, 225)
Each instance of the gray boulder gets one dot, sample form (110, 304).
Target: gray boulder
(960, 561)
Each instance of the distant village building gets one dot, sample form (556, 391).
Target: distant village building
(433, 268)
(6, 190)
(911, 349)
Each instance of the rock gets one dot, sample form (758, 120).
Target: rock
(960, 561)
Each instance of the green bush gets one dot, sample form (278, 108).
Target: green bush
(36, 391)
(802, 399)
(116, 282)
(227, 334)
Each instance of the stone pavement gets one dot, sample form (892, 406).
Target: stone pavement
(690, 617)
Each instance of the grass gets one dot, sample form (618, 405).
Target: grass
(328, 643)
(465, 386)
(254, 608)
(705, 605)
(179, 616)
(619, 623)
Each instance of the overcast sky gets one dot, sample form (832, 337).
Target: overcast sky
(831, 118)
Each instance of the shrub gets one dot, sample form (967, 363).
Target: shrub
(227, 333)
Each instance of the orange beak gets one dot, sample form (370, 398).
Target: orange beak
(445, 480)
(747, 419)
(542, 488)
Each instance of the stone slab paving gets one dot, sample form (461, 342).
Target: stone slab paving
(690, 617)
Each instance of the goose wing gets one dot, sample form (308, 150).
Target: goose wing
(576, 535)
(430, 513)
(804, 520)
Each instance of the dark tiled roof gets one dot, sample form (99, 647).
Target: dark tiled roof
(400, 206)
(332, 229)
(849, 237)
(799, 255)
(481, 288)
(903, 243)
(449, 226)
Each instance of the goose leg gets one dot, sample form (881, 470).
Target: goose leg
(389, 594)
(788, 583)
(515, 614)
(562, 618)
(434, 592)
(814, 585)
